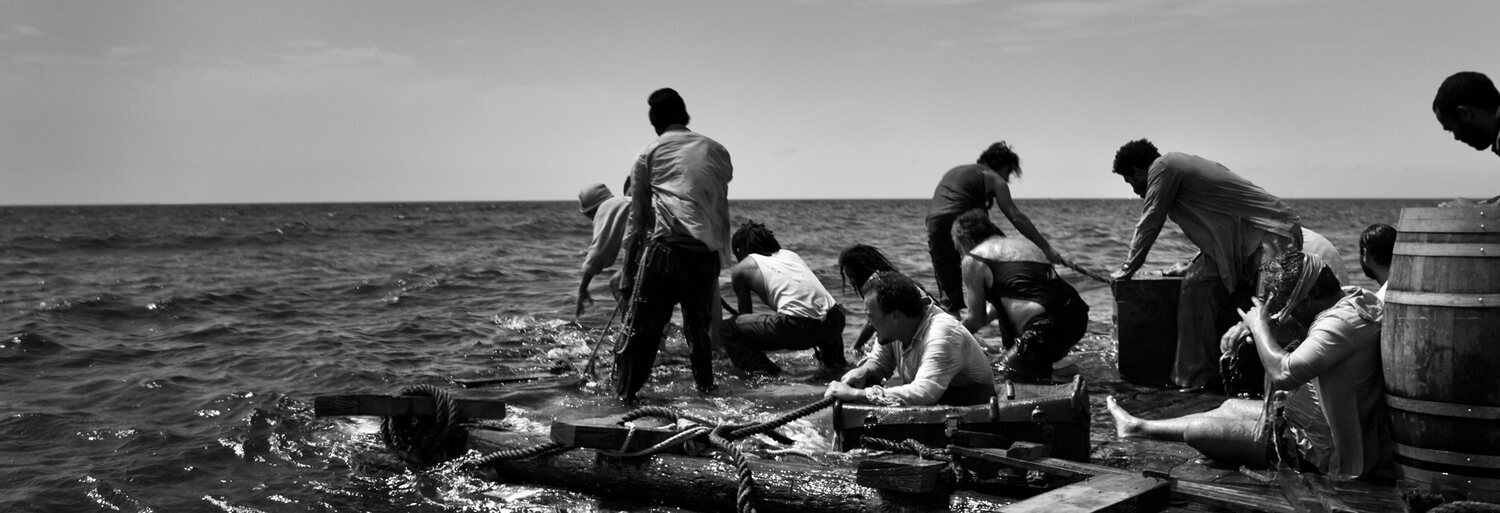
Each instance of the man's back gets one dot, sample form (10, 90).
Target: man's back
(689, 178)
(791, 285)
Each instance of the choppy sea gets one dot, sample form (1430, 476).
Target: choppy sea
(165, 358)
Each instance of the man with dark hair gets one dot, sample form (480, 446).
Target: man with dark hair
(805, 315)
(609, 213)
(1239, 229)
(1040, 315)
(677, 239)
(938, 361)
(1376, 245)
(1468, 106)
(968, 187)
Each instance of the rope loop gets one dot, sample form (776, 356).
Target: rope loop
(422, 440)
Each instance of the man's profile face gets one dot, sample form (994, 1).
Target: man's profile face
(1464, 130)
(1137, 181)
(883, 322)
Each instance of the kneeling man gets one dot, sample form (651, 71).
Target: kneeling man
(937, 359)
(806, 316)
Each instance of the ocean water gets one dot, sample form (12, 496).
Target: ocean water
(165, 358)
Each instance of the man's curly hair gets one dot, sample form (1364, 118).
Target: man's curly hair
(1137, 154)
(753, 237)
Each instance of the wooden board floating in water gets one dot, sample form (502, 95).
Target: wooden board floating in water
(504, 379)
(404, 405)
(1111, 493)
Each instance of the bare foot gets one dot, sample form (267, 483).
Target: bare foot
(1126, 425)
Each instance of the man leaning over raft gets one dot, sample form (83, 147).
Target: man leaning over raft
(937, 359)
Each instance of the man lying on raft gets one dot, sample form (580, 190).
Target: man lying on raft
(1041, 316)
(938, 360)
(1334, 414)
(857, 264)
(805, 315)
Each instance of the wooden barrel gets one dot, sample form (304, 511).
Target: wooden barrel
(1440, 346)
(1146, 328)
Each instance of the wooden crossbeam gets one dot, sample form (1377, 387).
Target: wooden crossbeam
(405, 405)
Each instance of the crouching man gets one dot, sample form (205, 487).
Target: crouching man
(805, 317)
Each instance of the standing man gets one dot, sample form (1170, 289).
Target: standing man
(677, 240)
(968, 187)
(804, 316)
(1239, 228)
(609, 214)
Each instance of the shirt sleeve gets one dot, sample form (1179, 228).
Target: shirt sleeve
(1161, 193)
(939, 364)
(609, 230)
(1328, 342)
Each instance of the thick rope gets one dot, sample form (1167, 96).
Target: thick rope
(744, 493)
(425, 440)
(541, 449)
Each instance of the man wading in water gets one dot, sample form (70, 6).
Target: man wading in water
(678, 238)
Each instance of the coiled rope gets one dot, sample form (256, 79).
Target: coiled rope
(425, 440)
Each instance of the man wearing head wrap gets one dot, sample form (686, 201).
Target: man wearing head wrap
(1333, 416)
(609, 214)
(1237, 226)
(678, 238)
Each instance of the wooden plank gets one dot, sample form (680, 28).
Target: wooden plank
(406, 405)
(1297, 493)
(503, 379)
(1327, 494)
(1202, 493)
(978, 439)
(1110, 493)
(900, 473)
(607, 433)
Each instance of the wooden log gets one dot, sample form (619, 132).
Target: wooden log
(901, 473)
(1109, 493)
(405, 405)
(704, 484)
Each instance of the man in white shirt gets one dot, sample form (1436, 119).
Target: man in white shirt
(937, 359)
(804, 316)
(609, 214)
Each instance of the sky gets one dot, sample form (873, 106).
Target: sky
(205, 101)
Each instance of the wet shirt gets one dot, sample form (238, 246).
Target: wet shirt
(1340, 360)
(1314, 243)
(609, 230)
(689, 180)
(942, 353)
(961, 189)
(791, 285)
(1222, 213)
(1031, 281)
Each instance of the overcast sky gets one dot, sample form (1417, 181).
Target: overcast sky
(272, 101)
